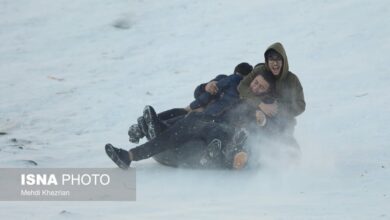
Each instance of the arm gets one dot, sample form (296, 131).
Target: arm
(202, 87)
(293, 103)
(201, 101)
(219, 77)
(199, 90)
(225, 82)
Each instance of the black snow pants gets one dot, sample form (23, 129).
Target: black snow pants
(194, 126)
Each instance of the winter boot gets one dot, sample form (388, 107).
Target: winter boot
(214, 148)
(143, 127)
(135, 133)
(240, 137)
(119, 156)
(212, 152)
(235, 155)
(152, 122)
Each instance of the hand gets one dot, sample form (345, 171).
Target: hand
(269, 109)
(260, 118)
(211, 87)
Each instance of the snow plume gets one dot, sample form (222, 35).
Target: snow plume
(271, 153)
(280, 165)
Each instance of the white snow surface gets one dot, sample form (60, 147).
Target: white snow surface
(72, 81)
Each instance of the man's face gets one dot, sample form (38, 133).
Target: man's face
(275, 64)
(259, 86)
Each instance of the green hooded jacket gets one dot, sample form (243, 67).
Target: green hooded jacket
(291, 101)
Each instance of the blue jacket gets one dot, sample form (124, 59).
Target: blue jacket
(226, 97)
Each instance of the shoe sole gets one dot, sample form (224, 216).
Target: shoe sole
(214, 148)
(151, 125)
(111, 153)
(240, 138)
(143, 126)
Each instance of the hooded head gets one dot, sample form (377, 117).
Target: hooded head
(276, 60)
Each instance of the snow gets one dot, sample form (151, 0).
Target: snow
(75, 75)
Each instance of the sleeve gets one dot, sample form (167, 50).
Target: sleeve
(201, 100)
(195, 104)
(219, 77)
(294, 104)
(224, 83)
(274, 125)
(199, 90)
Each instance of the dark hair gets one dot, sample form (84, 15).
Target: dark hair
(271, 80)
(272, 53)
(243, 69)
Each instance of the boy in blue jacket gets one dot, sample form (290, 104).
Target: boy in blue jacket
(223, 88)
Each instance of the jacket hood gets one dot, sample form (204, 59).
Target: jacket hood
(278, 47)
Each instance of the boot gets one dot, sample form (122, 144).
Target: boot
(152, 122)
(135, 133)
(212, 152)
(143, 126)
(119, 156)
(234, 153)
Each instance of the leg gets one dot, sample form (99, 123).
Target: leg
(235, 155)
(172, 113)
(225, 146)
(166, 119)
(175, 136)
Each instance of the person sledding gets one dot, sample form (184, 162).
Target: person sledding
(223, 130)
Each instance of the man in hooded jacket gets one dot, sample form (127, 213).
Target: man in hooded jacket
(290, 102)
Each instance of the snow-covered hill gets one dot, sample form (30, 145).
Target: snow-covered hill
(75, 74)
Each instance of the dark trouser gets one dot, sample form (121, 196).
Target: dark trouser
(172, 113)
(193, 126)
(170, 117)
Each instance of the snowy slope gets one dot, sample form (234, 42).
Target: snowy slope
(71, 81)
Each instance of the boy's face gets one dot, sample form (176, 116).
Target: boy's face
(259, 86)
(275, 64)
